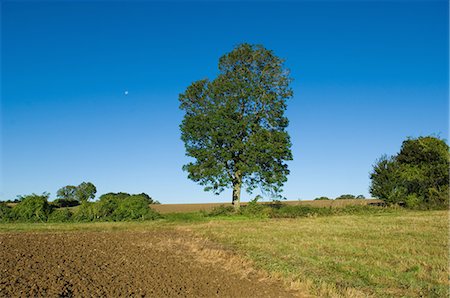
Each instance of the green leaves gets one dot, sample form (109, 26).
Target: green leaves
(236, 124)
(85, 191)
(81, 193)
(33, 208)
(417, 177)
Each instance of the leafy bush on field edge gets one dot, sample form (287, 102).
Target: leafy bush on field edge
(36, 208)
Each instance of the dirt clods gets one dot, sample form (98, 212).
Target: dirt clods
(156, 263)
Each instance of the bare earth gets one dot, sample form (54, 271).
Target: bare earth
(156, 263)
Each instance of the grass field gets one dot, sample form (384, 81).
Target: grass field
(401, 253)
(395, 254)
(180, 208)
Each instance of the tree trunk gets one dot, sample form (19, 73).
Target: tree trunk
(237, 183)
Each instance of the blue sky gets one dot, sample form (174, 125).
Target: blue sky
(366, 76)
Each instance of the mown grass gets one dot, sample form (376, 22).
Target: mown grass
(388, 254)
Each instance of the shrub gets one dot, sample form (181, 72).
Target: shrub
(106, 206)
(293, 211)
(60, 215)
(134, 207)
(321, 198)
(254, 209)
(33, 208)
(6, 213)
(221, 211)
(60, 203)
(85, 212)
(346, 197)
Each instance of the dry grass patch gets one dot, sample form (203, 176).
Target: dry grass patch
(399, 254)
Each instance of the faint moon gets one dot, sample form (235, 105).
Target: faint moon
(126, 92)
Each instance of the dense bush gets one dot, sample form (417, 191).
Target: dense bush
(107, 204)
(292, 211)
(346, 197)
(255, 209)
(221, 211)
(6, 213)
(123, 206)
(110, 207)
(418, 176)
(321, 199)
(134, 207)
(60, 203)
(60, 215)
(85, 212)
(33, 208)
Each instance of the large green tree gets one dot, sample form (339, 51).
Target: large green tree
(234, 126)
(85, 192)
(66, 192)
(417, 176)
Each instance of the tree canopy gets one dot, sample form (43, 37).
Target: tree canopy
(418, 176)
(85, 191)
(234, 126)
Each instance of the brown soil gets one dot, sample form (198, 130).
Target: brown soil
(156, 263)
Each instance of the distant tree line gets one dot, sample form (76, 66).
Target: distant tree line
(342, 197)
(73, 204)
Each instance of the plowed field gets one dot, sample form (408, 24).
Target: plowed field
(156, 263)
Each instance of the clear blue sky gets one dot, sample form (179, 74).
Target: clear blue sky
(367, 75)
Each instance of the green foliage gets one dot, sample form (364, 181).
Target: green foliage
(221, 211)
(110, 207)
(60, 203)
(346, 197)
(33, 208)
(418, 176)
(123, 206)
(106, 206)
(85, 192)
(6, 213)
(17, 200)
(81, 193)
(321, 199)
(85, 212)
(293, 211)
(255, 209)
(234, 126)
(133, 208)
(60, 215)
(67, 192)
(185, 217)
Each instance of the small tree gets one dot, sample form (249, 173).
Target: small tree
(234, 126)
